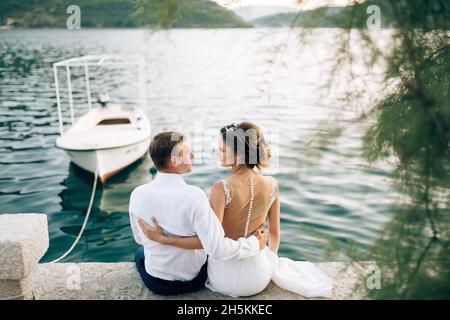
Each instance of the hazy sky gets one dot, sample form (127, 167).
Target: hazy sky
(307, 3)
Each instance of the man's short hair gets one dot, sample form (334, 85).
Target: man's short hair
(162, 146)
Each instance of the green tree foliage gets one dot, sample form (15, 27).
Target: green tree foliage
(413, 124)
(410, 122)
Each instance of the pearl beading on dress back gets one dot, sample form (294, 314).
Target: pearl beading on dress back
(250, 207)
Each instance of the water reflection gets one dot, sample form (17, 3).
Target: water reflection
(110, 197)
(109, 222)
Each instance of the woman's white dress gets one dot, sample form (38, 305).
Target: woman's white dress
(246, 277)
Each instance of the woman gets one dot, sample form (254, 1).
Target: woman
(243, 203)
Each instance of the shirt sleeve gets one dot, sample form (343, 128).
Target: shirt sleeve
(133, 219)
(212, 236)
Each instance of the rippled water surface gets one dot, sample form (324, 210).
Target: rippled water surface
(197, 81)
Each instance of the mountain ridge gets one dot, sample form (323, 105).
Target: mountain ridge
(252, 12)
(355, 16)
(115, 14)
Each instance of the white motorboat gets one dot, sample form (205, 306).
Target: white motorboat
(105, 139)
(108, 138)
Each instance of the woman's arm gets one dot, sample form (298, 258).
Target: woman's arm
(218, 200)
(274, 224)
(156, 234)
(190, 243)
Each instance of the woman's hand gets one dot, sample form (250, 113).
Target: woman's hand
(156, 234)
(153, 233)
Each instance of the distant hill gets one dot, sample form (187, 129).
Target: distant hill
(322, 17)
(354, 16)
(249, 13)
(114, 14)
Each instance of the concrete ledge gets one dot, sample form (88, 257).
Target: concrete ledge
(118, 281)
(23, 242)
(16, 289)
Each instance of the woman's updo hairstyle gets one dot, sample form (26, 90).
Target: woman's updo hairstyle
(248, 143)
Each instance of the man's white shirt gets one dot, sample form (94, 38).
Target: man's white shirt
(181, 210)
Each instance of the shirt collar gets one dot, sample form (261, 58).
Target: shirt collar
(169, 178)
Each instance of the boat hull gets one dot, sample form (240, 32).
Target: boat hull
(109, 161)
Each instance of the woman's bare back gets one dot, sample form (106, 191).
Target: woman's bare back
(248, 198)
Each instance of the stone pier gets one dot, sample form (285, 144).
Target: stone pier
(24, 240)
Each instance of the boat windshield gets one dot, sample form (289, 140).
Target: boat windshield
(108, 122)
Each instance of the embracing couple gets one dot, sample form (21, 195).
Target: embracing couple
(189, 242)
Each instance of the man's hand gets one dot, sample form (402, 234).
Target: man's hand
(260, 234)
(153, 233)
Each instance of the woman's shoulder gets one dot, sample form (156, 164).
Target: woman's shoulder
(220, 183)
(272, 184)
(220, 186)
(270, 179)
(221, 189)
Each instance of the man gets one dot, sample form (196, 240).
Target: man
(182, 210)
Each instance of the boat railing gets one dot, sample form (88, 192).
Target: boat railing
(127, 61)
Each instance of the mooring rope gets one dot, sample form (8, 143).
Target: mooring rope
(83, 227)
